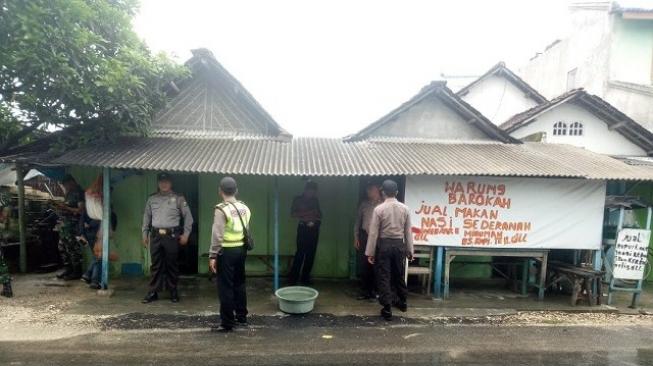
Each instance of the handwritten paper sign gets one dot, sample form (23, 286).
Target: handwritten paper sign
(631, 253)
(506, 212)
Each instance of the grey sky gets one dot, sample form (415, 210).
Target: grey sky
(328, 68)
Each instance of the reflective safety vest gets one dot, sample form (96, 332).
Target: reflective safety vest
(233, 230)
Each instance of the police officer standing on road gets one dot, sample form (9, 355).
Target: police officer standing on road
(361, 229)
(391, 227)
(164, 211)
(228, 253)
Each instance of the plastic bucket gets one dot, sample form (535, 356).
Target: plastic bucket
(296, 299)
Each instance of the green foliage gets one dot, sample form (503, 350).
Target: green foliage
(76, 66)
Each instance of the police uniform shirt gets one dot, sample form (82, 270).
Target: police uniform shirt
(364, 217)
(390, 220)
(165, 210)
(217, 231)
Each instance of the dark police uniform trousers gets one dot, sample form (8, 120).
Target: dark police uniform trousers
(164, 249)
(365, 269)
(307, 238)
(390, 267)
(231, 285)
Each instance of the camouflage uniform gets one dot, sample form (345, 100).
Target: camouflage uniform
(5, 278)
(70, 248)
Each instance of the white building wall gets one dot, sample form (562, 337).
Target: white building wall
(603, 48)
(498, 99)
(596, 135)
(586, 50)
(431, 119)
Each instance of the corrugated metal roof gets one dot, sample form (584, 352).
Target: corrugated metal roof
(335, 157)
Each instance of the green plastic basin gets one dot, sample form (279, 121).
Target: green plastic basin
(296, 299)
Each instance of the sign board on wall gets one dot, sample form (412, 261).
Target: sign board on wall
(631, 254)
(506, 212)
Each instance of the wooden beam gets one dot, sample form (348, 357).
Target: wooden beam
(617, 125)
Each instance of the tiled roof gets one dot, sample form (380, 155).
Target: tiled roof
(500, 69)
(440, 90)
(212, 100)
(614, 118)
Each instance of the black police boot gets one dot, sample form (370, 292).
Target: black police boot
(151, 296)
(241, 320)
(174, 296)
(402, 306)
(6, 290)
(386, 312)
(66, 271)
(75, 274)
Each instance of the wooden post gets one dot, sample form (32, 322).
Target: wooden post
(106, 223)
(20, 175)
(437, 283)
(276, 233)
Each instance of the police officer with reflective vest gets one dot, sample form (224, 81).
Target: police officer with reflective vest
(389, 243)
(162, 229)
(228, 253)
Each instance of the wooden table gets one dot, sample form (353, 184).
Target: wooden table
(580, 278)
(540, 255)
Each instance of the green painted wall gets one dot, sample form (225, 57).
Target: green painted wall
(338, 198)
(645, 192)
(632, 52)
(128, 200)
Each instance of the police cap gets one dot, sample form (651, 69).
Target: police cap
(389, 187)
(228, 186)
(163, 176)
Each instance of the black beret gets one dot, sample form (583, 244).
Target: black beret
(228, 185)
(390, 186)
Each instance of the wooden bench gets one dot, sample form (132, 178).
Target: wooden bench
(581, 279)
(540, 255)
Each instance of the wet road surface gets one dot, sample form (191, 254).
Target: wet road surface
(327, 340)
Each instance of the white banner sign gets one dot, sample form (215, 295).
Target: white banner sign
(630, 254)
(506, 212)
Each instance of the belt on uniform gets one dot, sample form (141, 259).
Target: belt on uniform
(163, 230)
(392, 239)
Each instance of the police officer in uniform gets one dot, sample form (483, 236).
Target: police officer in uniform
(306, 209)
(70, 213)
(361, 228)
(389, 243)
(228, 253)
(162, 230)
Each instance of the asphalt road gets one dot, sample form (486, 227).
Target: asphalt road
(338, 344)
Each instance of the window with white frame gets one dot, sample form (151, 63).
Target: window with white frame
(560, 129)
(576, 129)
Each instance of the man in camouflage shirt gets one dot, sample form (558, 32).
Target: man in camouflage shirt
(70, 212)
